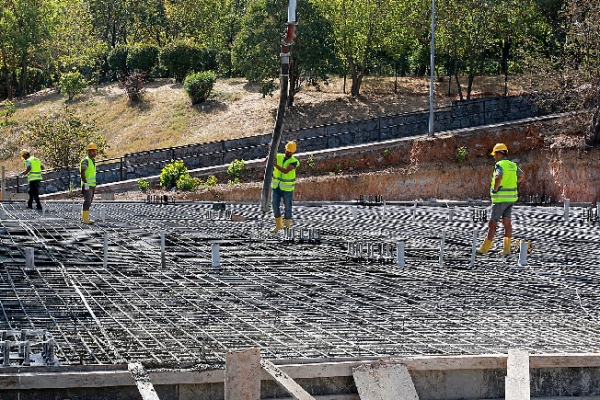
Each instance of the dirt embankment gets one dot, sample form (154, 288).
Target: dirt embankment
(554, 158)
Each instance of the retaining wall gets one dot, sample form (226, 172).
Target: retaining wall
(462, 114)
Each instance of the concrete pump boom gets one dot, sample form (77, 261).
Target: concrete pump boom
(286, 44)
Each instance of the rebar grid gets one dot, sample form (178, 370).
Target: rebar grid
(294, 299)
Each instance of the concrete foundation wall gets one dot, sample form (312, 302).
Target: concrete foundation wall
(430, 385)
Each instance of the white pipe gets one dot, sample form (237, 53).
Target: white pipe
(400, 254)
(3, 189)
(2, 212)
(105, 250)
(523, 253)
(103, 215)
(162, 250)
(29, 259)
(442, 248)
(566, 211)
(598, 211)
(450, 214)
(216, 262)
(474, 248)
(292, 11)
(384, 208)
(354, 212)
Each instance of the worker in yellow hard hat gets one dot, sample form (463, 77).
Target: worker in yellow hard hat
(283, 185)
(87, 168)
(33, 171)
(504, 193)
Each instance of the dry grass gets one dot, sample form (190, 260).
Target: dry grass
(166, 118)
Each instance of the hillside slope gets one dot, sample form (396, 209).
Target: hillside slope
(166, 118)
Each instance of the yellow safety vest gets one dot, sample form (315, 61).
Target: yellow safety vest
(285, 182)
(35, 173)
(507, 193)
(90, 172)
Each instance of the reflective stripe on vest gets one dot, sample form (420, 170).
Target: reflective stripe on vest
(285, 182)
(90, 172)
(507, 193)
(35, 173)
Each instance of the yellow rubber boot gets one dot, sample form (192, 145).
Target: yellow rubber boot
(278, 224)
(485, 246)
(506, 248)
(287, 223)
(85, 216)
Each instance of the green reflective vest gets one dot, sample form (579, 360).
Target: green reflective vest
(35, 173)
(90, 172)
(507, 193)
(285, 182)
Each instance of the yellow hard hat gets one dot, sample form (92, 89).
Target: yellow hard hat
(23, 152)
(499, 147)
(291, 147)
(92, 146)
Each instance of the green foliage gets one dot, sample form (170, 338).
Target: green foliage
(211, 182)
(199, 86)
(387, 152)
(461, 154)
(235, 171)
(72, 83)
(188, 183)
(10, 111)
(311, 161)
(179, 58)
(143, 185)
(171, 173)
(61, 138)
(117, 61)
(143, 58)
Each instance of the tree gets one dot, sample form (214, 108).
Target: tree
(257, 46)
(358, 28)
(25, 25)
(72, 83)
(61, 137)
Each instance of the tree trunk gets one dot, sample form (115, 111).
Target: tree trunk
(470, 79)
(458, 87)
(594, 134)
(22, 88)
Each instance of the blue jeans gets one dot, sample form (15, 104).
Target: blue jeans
(279, 194)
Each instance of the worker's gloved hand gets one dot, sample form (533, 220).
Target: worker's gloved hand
(494, 191)
(86, 186)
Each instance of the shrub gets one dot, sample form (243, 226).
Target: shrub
(180, 58)
(134, 85)
(188, 183)
(117, 61)
(10, 110)
(143, 185)
(72, 83)
(142, 57)
(199, 86)
(211, 182)
(235, 171)
(171, 173)
(461, 154)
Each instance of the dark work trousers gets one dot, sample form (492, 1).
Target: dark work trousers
(88, 196)
(34, 194)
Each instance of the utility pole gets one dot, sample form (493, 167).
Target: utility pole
(432, 67)
(286, 52)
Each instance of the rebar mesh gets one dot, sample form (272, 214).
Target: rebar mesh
(294, 298)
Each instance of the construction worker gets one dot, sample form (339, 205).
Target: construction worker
(283, 185)
(503, 190)
(33, 171)
(87, 168)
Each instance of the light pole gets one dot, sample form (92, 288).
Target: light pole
(432, 67)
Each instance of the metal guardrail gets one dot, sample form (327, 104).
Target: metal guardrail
(369, 130)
